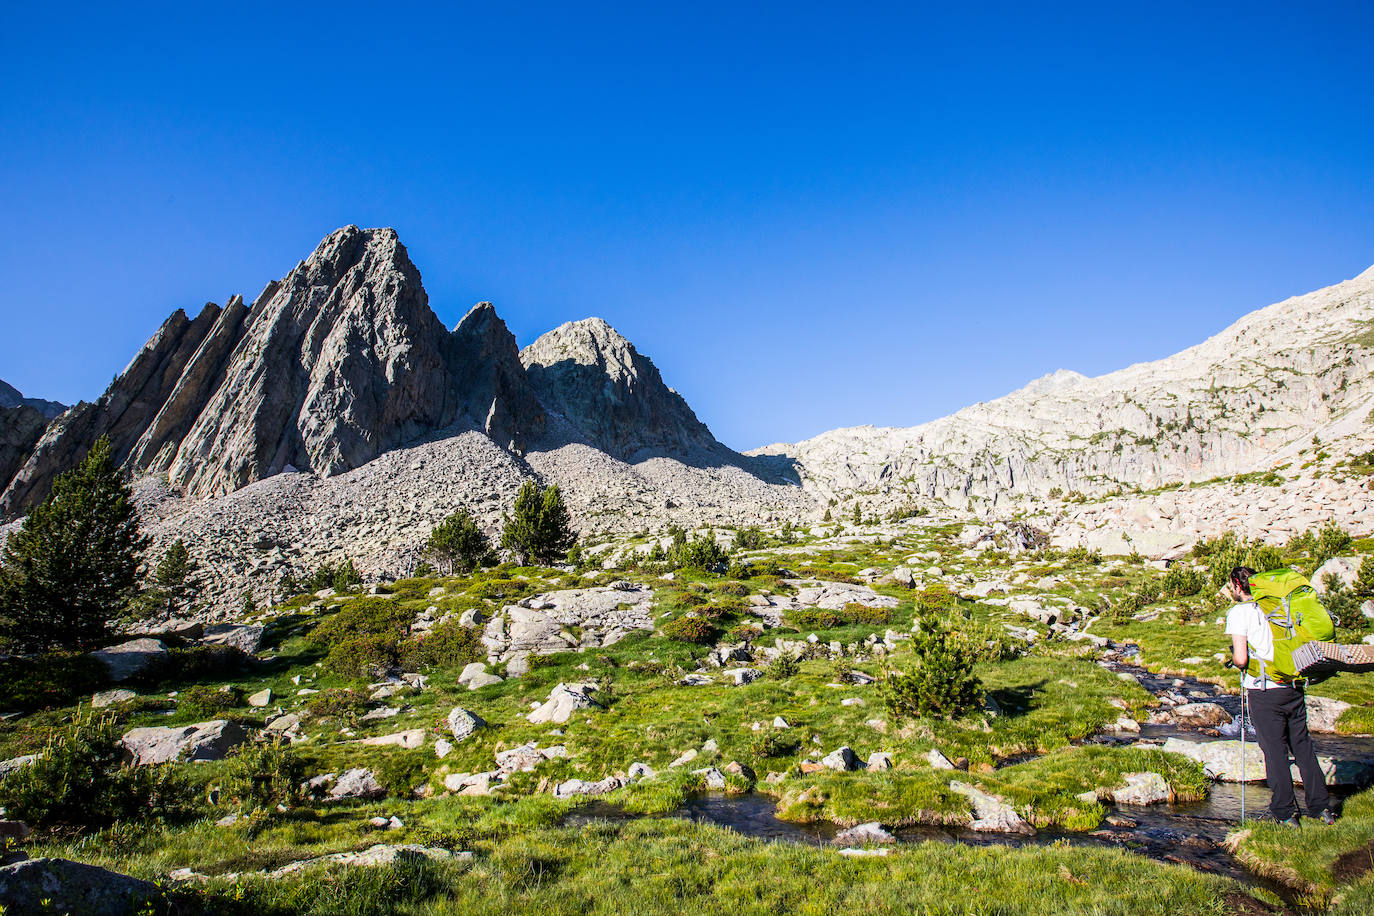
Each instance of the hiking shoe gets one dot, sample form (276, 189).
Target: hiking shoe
(1290, 822)
(1328, 817)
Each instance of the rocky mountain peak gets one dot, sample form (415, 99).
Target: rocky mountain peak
(614, 396)
(331, 366)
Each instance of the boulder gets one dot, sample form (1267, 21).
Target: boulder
(527, 757)
(711, 777)
(261, 698)
(1142, 789)
(878, 761)
(642, 771)
(9, 766)
(902, 576)
(358, 782)
(864, 833)
(110, 697)
(1345, 569)
(938, 760)
(246, 637)
(735, 768)
(1221, 760)
(463, 723)
(471, 671)
(201, 741)
(409, 739)
(47, 885)
(742, 676)
(1323, 713)
(573, 787)
(563, 701)
(484, 679)
(991, 813)
(373, 856)
(1200, 715)
(130, 658)
(842, 758)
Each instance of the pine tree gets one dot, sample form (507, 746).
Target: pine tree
(73, 564)
(538, 527)
(174, 584)
(457, 545)
(858, 514)
(940, 682)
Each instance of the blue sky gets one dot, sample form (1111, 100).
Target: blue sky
(808, 216)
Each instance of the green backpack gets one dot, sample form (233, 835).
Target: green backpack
(1295, 615)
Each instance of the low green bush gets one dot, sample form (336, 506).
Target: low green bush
(863, 614)
(448, 645)
(363, 617)
(51, 679)
(363, 655)
(812, 618)
(204, 700)
(262, 776)
(783, 667)
(691, 629)
(935, 598)
(80, 780)
(1182, 582)
(337, 703)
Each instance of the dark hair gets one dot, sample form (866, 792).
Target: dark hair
(1240, 578)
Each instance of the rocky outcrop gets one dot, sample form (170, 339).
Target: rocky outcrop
(21, 427)
(339, 362)
(122, 413)
(201, 741)
(47, 885)
(615, 397)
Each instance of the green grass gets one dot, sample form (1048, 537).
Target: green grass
(1303, 860)
(670, 867)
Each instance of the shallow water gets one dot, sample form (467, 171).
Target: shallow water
(1189, 833)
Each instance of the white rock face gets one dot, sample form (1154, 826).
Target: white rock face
(563, 701)
(540, 625)
(1142, 789)
(1248, 399)
(201, 741)
(127, 659)
(1222, 761)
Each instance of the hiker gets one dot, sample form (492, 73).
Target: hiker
(1278, 711)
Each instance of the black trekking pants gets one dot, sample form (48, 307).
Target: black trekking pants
(1279, 716)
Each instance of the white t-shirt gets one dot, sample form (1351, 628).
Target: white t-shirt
(1249, 621)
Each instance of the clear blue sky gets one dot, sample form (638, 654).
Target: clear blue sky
(808, 216)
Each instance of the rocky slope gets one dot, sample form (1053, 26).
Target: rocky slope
(1246, 399)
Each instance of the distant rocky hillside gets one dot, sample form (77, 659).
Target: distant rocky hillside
(1245, 400)
(11, 397)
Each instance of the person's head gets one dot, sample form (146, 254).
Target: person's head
(1240, 582)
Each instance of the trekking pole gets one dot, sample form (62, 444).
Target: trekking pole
(1243, 773)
